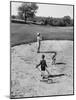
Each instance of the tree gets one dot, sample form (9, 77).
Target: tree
(67, 20)
(61, 22)
(13, 16)
(27, 10)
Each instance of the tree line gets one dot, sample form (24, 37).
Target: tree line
(27, 13)
(64, 21)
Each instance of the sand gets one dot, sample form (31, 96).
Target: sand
(25, 77)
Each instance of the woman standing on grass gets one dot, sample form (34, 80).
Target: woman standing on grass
(38, 42)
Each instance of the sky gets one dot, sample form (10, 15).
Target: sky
(47, 10)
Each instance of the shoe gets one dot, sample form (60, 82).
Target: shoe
(43, 77)
(38, 51)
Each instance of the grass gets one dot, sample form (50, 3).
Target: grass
(25, 33)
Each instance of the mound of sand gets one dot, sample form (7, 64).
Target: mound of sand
(25, 78)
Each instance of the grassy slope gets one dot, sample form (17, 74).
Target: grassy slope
(24, 33)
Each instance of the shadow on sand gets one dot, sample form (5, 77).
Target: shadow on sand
(60, 63)
(52, 76)
(47, 52)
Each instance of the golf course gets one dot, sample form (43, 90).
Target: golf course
(25, 77)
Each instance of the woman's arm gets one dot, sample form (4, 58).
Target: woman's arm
(38, 65)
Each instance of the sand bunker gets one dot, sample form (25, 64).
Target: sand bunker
(25, 78)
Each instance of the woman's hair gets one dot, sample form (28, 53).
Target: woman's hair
(38, 34)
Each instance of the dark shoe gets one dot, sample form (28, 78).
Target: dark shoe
(38, 51)
(43, 77)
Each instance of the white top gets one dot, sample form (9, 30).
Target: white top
(38, 38)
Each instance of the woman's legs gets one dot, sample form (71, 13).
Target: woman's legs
(38, 49)
(47, 71)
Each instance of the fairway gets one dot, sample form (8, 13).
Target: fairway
(25, 33)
